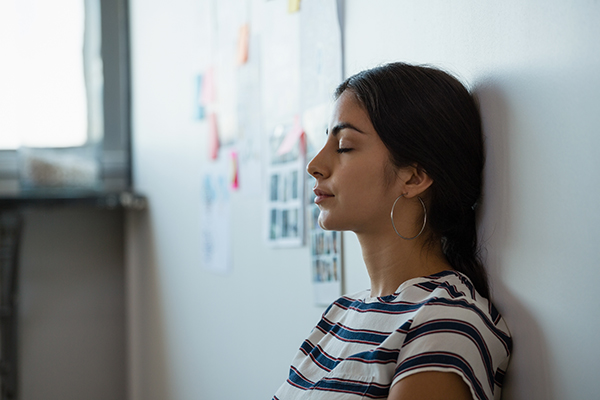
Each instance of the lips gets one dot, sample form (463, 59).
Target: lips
(321, 195)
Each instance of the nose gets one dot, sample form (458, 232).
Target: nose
(316, 166)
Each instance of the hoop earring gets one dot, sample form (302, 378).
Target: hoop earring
(424, 218)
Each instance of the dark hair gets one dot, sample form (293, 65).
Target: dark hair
(425, 116)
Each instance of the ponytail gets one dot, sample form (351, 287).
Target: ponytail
(426, 117)
(462, 252)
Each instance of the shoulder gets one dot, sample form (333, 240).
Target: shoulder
(449, 301)
(451, 294)
(455, 330)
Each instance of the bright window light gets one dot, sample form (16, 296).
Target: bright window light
(43, 98)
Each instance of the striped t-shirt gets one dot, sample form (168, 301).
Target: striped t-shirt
(363, 345)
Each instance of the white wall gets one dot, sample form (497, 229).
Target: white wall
(196, 334)
(534, 66)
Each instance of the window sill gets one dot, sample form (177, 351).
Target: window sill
(40, 198)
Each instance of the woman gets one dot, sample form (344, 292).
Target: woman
(402, 168)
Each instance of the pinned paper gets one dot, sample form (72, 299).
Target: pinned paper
(291, 138)
(216, 239)
(293, 6)
(209, 92)
(213, 136)
(243, 43)
(235, 183)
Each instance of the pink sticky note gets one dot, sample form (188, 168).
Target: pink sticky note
(235, 183)
(209, 93)
(213, 136)
(291, 138)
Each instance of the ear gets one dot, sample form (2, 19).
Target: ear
(415, 181)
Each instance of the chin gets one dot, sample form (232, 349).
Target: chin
(328, 224)
(322, 224)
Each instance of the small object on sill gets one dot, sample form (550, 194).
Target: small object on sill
(59, 169)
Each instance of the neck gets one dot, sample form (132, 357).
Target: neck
(391, 260)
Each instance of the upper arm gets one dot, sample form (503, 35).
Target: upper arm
(431, 385)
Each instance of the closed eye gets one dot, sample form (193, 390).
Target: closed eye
(343, 150)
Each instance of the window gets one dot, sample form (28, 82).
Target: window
(66, 83)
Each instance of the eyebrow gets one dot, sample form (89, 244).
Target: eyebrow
(344, 125)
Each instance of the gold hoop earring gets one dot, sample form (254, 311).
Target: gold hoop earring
(424, 218)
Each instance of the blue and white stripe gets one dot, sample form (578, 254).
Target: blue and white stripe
(363, 345)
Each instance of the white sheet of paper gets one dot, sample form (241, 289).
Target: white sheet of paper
(321, 63)
(216, 222)
(284, 197)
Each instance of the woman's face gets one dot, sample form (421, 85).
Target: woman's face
(356, 183)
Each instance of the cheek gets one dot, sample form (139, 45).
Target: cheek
(370, 179)
(390, 174)
(366, 190)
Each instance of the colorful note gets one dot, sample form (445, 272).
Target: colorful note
(213, 136)
(293, 6)
(235, 182)
(243, 43)
(209, 92)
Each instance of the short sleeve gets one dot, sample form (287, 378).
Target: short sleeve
(454, 337)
